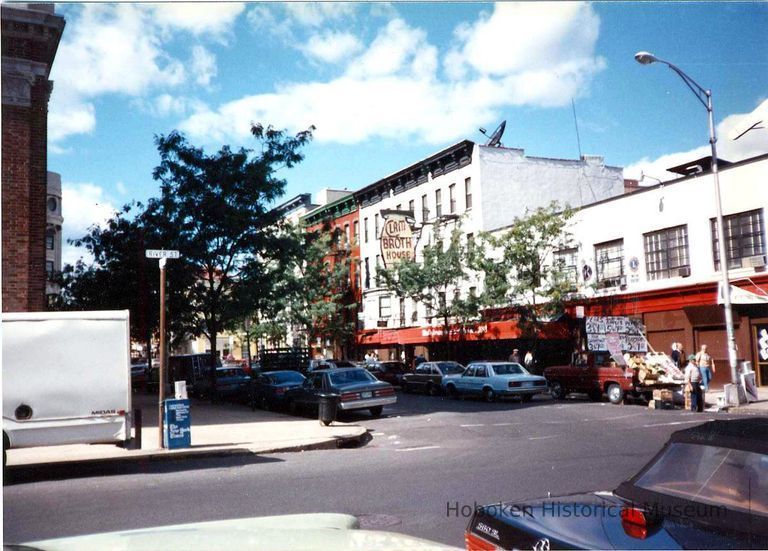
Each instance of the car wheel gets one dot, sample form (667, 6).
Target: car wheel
(376, 411)
(557, 390)
(452, 392)
(596, 395)
(432, 390)
(615, 393)
(489, 395)
(526, 397)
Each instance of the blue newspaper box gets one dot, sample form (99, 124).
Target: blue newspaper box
(177, 431)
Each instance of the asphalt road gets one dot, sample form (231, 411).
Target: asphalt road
(429, 458)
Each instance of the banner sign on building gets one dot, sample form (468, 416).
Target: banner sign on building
(620, 332)
(397, 241)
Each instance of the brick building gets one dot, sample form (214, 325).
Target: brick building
(30, 38)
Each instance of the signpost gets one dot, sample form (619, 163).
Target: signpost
(162, 255)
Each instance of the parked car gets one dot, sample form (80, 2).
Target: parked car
(390, 372)
(329, 364)
(493, 380)
(356, 387)
(268, 389)
(430, 377)
(232, 382)
(195, 369)
(706, 489)
(139, 375)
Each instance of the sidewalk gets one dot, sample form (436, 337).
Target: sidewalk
(755, 408)
(217, 429)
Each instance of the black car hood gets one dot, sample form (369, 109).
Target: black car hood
(593, 521)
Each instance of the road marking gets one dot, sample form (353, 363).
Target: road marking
(477, 425)
(377, 434)
(677, 423)
(623, 416)
(542, 437)
(416, 448)
(392, 436)
(504, 424)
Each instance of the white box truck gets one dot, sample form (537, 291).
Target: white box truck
(66, 378)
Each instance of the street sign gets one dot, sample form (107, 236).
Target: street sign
(161, 253)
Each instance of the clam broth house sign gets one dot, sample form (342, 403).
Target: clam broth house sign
(397, 241)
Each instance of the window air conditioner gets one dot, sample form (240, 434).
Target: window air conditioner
(685, 271)
(757, 261)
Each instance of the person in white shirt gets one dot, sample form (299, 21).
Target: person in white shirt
(693, 384)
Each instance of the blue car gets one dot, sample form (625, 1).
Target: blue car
(268, 389)
(492, 380)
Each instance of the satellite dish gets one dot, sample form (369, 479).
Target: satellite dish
(495, 139)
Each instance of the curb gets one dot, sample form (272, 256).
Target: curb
(330, 443)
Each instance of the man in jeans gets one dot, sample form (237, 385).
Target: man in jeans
(693, 384)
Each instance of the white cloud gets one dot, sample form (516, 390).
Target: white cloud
(315, 14)
(395, 89)
(121, 49)
(213, 18)
(83, 206)
(332, 47)
(203, 65)
(121, 189)
(754, 142)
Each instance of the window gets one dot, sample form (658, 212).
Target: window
(744, 237)
(424, 209)
(355, 230)
(399, 207)
(49, 268)
(377, 279)
(566, 266)
(414, 311)
(452, 198)
(438, 203)
(49, 239)
(402, 311)
(609, 258)
(468, 193)
(365, 230)
(346, 233)
(411, 206)
(376, 226)
(470, 241)
(367, 274)
(473, 292)
(666, 251)
(441, 301)
(53, 204)
(384, 306)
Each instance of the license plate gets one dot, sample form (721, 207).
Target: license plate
(366, 394)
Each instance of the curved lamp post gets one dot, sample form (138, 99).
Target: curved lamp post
(705, 97)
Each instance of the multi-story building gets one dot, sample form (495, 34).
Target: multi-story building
(30, 38)
(475, 189)
(653, 255)
(53, 239)
(340, 217)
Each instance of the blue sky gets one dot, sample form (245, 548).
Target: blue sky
(387, 84)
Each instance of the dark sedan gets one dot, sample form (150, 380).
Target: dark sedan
(430, 377)
(268, 389)
(389, 372)
(357, 389)
(706, 489)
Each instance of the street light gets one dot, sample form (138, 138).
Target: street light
(705, 97)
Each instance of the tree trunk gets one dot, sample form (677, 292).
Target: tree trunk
(213, 334)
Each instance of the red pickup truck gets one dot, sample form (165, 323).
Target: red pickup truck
(595, 373)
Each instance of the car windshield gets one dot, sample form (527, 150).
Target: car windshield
(351, 376)
(286, 377)
(509, 369)
(450, 368)
(713, 475)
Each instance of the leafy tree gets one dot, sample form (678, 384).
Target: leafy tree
(315, 295)
(525, 275)
(435, 280)
(217, 211)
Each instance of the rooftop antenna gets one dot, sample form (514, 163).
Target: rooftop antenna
(494, 140)
(576, 123)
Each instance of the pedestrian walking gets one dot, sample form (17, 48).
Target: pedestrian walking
(528, 361)
(693, 384)
(706, 365)
(515, 356)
